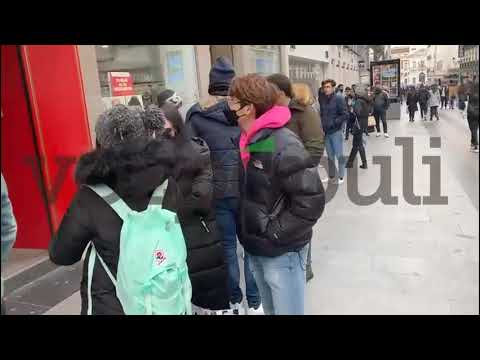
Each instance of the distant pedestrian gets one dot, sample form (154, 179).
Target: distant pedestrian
(423, 96)
(412, 105)
(380, 107)
(358, 125)
(334, 114)
(349, 100)
(339, 89)
(434, 102)
(444, 96)
(9, 230)
(473, 115)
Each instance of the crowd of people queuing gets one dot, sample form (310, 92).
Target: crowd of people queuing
(428, 99)
(162, 199)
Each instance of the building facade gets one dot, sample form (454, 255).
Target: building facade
(402, 52)
(468, 61)
(415, 72)
(442, 63)
(312, 64)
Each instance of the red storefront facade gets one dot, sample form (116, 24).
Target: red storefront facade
(44, 130)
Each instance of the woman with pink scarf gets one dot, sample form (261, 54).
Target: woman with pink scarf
(282, 195)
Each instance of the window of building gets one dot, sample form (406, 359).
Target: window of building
(264, 59)
(326, 54)
(136, 74)
(414, 65)
(292, 46)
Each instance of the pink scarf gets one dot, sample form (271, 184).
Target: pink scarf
(276, 117)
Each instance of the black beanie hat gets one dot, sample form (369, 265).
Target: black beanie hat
(221, 76)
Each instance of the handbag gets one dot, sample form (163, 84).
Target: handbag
(371, 121)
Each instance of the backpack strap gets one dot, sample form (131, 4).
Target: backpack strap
(158, 195)
(91, 265)
(112, 199)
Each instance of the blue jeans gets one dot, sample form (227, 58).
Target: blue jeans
(281, 281)
(334, 146)
(227, 213)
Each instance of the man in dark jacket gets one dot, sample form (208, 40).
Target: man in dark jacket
(444, 94)
(133, 166)
(472, 115)
(304, 122)
(212, 121)
(283, 196)
(380, 107)
(334, 114)
(358, 125)
(423, 96)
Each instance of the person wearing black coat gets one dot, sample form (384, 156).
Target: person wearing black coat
(133, 165)
(358, 125)
(205, 256)
(213, 121)
(412, 106)
(282, 195)
(380, 107)
(423, 97)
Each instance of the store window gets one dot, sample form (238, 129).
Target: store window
(264, 59)
(136, 74)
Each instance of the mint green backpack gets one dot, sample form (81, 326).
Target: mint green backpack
(152, 275)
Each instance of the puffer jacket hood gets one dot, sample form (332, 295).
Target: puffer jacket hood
(213, 108)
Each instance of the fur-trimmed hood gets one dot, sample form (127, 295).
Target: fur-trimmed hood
(137, 167)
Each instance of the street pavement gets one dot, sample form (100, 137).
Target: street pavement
(396, 259)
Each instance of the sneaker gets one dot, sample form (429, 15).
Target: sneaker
(255, 311)
(386, 135)
(328, 179)
(475, 149)
(378, 134)
(339, 181)
(348, 166)
(363, 166)
(237, 309)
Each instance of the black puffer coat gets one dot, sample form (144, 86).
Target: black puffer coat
(133, 171)
(283, 196)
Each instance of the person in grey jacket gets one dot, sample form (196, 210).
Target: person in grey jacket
(9, 228)
(434, 102)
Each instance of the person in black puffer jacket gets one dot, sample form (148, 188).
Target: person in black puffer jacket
(282, 195)
(472, 114)
(205, 255)
(359, 125)
(212, 121)
(380, 107)
(133, 165)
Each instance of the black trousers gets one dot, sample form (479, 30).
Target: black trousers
(423, 109)
(411, 114)
(357, 147)
(473, 125)
(380, 115)
(444, 102)
(434, 111)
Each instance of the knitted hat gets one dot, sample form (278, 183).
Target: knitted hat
(117, 125)
(154, 120)
(221, 76)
